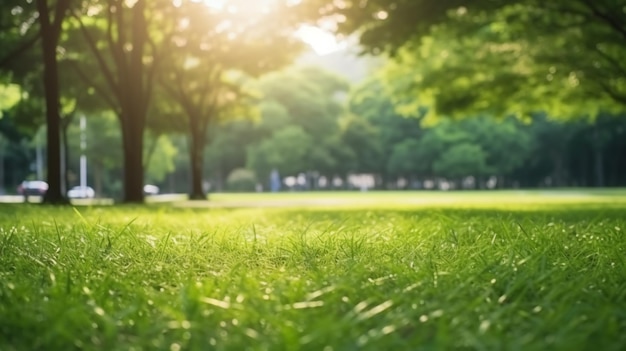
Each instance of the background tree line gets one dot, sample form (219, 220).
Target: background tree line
(311, 122)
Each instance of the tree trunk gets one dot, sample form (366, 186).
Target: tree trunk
(2, 143)
(134, 107)
(132, 139)
(97, 178)
(197, 163)
(65, 123)
(558, 169)
(598, 159)
(599, 167)
(54, 195)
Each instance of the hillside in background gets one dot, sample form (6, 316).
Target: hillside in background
(345, 62)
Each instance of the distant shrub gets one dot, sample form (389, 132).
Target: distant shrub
(241, 180)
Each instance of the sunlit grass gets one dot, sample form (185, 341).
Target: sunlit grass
(514, 199)
(378, 276)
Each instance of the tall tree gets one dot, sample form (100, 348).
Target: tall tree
(23, 24)
(121, 36)
(51, 17)
(214, 50)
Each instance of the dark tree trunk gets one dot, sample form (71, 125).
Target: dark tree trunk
(134, 106)
(49, 38)
(196, 146)
(132, 139)
(598, 158)
(65, 123)
(97, 178)
(558, 169)
(599, 167)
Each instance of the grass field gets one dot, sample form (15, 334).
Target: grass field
(351, 271)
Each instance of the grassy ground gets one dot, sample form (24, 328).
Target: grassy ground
(503, 271)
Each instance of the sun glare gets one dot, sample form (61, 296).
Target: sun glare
(241, 6)
(215, 4)
(322, 41)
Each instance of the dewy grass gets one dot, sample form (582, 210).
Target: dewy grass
(401, 278)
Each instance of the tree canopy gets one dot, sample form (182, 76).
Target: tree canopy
(502, 57)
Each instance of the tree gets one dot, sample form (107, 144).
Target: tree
(567, 63)
(363, 139)
(25, 24)
(205, 77)
(128, 64)
(285, 151)
(227, 148)
(505, 142)
(308, 99)
(406, 159)
(371, 101)
(136, 37)
(461, 160)
(50, 24)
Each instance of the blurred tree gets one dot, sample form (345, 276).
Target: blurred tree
(461, 160)
(407, 160)
(372, 102)
(205, 76)
(241, 180)
(285, 151)
(567, 63)
(23, 24)
(310, 95)
(133, 41)
(363, 139)
(51, 15)
(227, 148)
(310, 99)
(505, 142)
(124, 40)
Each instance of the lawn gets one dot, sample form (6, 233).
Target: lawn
(334, 271)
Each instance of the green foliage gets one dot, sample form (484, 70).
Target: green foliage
(299, 130)
(161, 161)
(9, 96)
(461, 160)
(285, 151)
(406, 158)
(567, 64)
(241, 180)
(362, 138)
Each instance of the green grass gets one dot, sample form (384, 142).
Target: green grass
(471, 272)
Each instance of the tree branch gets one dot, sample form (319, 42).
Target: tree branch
(611, 21)
(101, 63)
(102, 92)
(617, 96)
(24, 46)
(611, 60)
(60, 12)
(117, 50)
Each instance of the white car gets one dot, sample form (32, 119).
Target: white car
(150, 189)
(79, 192)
